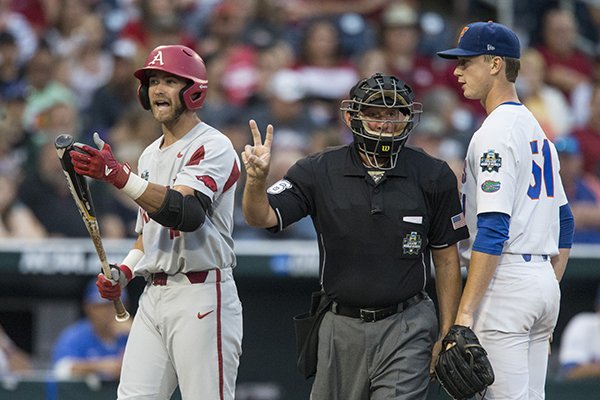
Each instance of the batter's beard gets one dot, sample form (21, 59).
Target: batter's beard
(178, 112)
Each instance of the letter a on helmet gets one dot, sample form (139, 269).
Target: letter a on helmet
(158, 58)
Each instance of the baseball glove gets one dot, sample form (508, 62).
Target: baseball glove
(463, 369)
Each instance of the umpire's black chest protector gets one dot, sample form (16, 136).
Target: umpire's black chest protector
(373, 237)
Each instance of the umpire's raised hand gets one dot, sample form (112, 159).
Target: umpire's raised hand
(257, 160)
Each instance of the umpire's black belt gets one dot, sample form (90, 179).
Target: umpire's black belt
(376, 314)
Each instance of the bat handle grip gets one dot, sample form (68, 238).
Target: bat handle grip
(121, 313)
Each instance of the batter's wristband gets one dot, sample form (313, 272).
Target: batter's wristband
(125, 270)
(130, 261)
(135, 186)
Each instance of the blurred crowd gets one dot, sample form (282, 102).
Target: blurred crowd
(66, 66)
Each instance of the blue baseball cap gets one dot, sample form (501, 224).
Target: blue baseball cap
(481, 38)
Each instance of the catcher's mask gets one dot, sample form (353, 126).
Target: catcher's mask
(181, 61)
(381, 113)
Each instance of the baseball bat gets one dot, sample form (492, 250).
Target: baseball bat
(80, 191)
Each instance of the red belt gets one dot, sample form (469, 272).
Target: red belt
(160, 278)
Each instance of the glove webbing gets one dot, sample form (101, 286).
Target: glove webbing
(469, 382)
(450, 380)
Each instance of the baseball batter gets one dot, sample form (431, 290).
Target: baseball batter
(517, 212)
(188, 328)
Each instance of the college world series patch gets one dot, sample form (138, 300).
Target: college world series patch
(490, 161)
(411, 244)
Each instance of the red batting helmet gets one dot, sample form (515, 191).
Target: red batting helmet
(181, 61)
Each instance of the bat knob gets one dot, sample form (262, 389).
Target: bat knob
(122, 317)
(63, 141)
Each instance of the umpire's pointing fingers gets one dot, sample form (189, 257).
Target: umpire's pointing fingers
(269, 137)
(256, 136)
(255, 132)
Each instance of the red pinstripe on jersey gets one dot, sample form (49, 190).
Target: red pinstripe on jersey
(219, 337)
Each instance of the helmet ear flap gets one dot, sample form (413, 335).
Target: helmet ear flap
(184, 97)
(143, 97)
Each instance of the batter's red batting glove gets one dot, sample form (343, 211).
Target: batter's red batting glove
(99, 164)
(110, 287)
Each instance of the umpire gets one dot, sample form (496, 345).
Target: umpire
(380, 210)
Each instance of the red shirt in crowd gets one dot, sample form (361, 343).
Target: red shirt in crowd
(589, 143)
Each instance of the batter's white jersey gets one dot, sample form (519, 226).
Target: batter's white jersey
(205, 160)
(511, 167)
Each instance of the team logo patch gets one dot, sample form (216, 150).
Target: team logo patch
(411, 244)
(490, 161)
(145, 175)
(462, 33)
(279, 186)
(490, 186)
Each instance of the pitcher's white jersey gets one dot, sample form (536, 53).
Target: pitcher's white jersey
(511, 167)
(205, 160)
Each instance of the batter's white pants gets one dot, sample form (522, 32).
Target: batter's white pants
(184, 334)
(514, 323)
